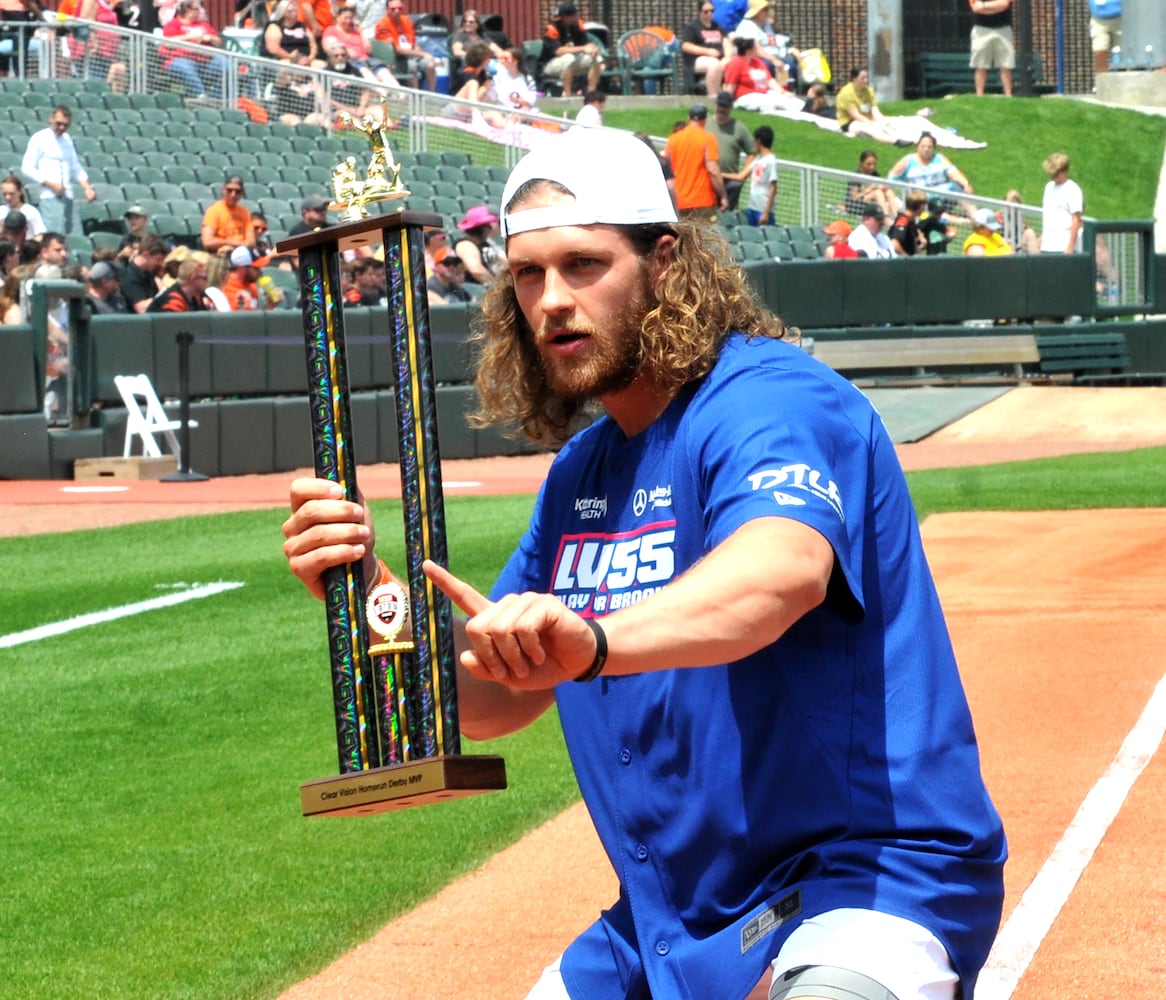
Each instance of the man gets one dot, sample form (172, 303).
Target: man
(992, 44)
(1104, 32)
(397, 29)
(837, 233)
(226, 224)
(13, 191)
(986, 238)
(693, 154)
(905, 236)
(102, 291)
(868, 238)
(1062, 206)
(241, 288)
(733, 142)
(704, 48)
(368, 282)
(139, 283)
(188, 293)
(591, 114)
(448, 282)
(54, 250)
(313, 215)
(50, 160)
(137, 221)
(567, 51)
(729, 564)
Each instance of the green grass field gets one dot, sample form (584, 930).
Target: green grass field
(150, 766)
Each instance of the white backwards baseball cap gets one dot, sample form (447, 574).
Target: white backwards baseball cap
(615, 178)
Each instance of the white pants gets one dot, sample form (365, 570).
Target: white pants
(902, 956)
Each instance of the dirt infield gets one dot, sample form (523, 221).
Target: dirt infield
(1069, 595)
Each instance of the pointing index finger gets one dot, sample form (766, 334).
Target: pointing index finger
(457, 590)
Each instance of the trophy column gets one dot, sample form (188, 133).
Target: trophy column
(395, 698)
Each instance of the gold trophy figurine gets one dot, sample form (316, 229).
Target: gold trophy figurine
(381, 182)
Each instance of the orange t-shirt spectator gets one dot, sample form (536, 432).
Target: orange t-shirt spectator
(227, 224)
(692, 153)
(241, 288)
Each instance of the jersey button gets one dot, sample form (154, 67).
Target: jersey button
(625, 756)
(661, 947)
(641, 852)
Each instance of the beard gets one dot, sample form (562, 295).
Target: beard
(612, 363)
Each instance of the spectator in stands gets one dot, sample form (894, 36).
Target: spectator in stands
(368, 15)
(1104, 32)
(762, 179)
(188, 293)
(264, 247)
(434, 240)
(1061, 208)
(906, 239)
(242, 285)
(469, 32)
(397, 29)
(986, 239)
(818, 102)
(858, 111)
(96, 54)
(448, 282)
(13, 191)
(859, 192)
(9, 257)
(102, 290)
(478, 247)
(15, 229)
(1020, 235)
(11, 309)
(753, 86)
(199, 71)
(227, 223)
(512, 87)
(139, 282)
(567, 51)
(346, 32)
(868, 238)
(50, 159)
(54, 251)
(837, 247)
(289, 39)
(474, 84)
(313, 215)
(368, 286)
(218, 270)
(591, 113)
(992, 44)
(296, 98)
(934, 226)
(693, 155)
(28, 13)
(774, 48)
(350, 98)
(137, 223)
(704, 47)
(930, 169)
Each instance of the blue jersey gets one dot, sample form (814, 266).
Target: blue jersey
(834, 768)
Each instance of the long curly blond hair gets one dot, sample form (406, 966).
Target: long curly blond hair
(702, 296)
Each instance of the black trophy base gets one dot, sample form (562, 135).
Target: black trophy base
(402, 786)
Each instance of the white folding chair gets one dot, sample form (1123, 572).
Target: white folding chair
(145, 417)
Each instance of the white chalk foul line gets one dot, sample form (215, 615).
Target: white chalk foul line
(111, 614)
(1042, 901)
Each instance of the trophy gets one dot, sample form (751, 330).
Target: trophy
(395, 696)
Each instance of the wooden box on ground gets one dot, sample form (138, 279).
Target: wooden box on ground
(134, 467)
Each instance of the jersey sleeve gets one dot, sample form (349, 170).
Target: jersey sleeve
(785, 442)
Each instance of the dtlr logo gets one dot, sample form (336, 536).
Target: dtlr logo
(614, 571)
(798, 477)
